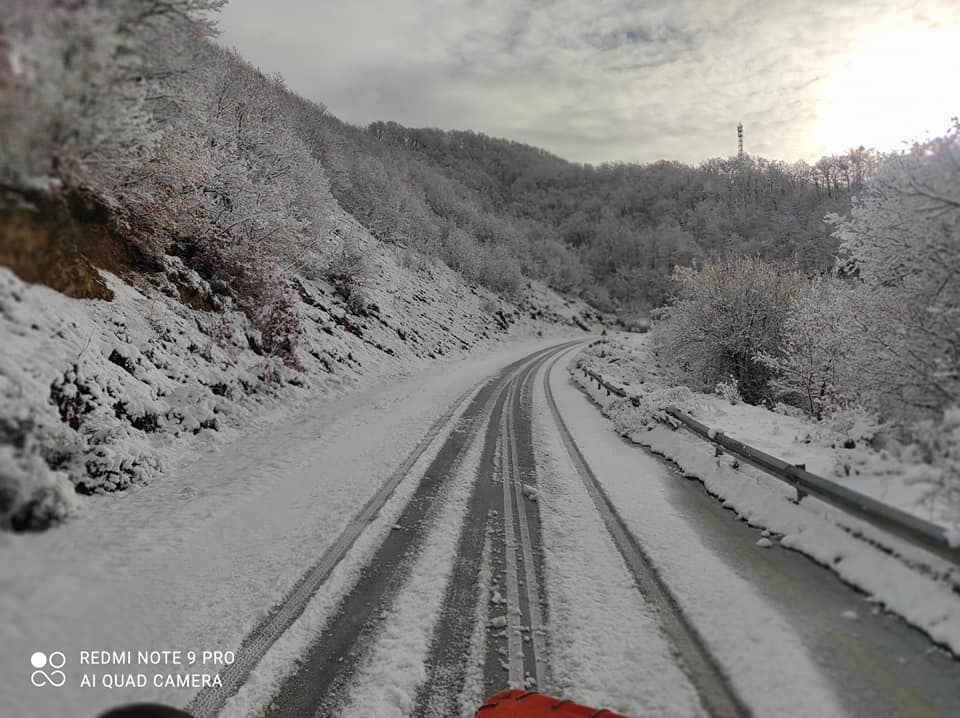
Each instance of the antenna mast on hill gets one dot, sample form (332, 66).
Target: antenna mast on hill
(740, 141)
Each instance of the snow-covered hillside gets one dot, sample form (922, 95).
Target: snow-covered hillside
(98, 395)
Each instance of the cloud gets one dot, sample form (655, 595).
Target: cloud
(609, 80)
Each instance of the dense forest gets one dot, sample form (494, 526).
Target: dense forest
(612, 233)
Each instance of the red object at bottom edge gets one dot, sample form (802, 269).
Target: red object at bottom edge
(517, 703)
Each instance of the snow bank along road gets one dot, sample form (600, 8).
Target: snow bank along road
(535, 548)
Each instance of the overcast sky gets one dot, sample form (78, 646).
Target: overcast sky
(622, 80)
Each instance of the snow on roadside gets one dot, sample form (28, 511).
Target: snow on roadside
(606, 646)
(838, 448)
(919, 587)
(761, 653)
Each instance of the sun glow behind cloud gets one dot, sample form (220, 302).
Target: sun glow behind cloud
(890, 89)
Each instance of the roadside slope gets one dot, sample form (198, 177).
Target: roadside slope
(100, 394)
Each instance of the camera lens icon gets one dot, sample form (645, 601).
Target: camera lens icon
(55, 677)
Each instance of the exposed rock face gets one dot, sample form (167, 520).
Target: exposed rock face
(61, 241)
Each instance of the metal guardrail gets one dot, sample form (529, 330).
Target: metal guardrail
(906, 526)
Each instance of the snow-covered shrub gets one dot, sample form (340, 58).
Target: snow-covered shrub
(648, 407)
(489, 264)
(936, 442)
(32, 495)
(729, 390)
(645, 408)
(346, 267)
(816, 364)
(721, 317)
(647, 401)
(280, 329)
(853, 425)
(115, 456)
(416, 260)
(500, 272)
(461, 251)
(560, 265)
(789, 410)
(110, 418)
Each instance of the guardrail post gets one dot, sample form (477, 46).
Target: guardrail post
(801, 494)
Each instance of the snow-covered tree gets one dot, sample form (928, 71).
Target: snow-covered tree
(722, 317)
(82, 77)
(903, 240)
(815, 366)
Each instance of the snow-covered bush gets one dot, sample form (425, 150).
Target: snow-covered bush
(647, 401)
(347, 268)
(32, 495)
(936, 442)
(729, 390)
(854, 425)
(721, 317)
(500, 272)
(280, 329)
(647, 408)
(816, 364)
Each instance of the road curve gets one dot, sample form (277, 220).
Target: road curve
(492, 627)
(317, 687)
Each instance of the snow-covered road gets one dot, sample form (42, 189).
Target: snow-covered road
(198, 559)
(408, 549)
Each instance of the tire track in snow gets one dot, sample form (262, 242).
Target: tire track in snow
(454, 633)
(713, 685)
(209, 701)
(329, 665)
(532, 588)
(514, 633)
